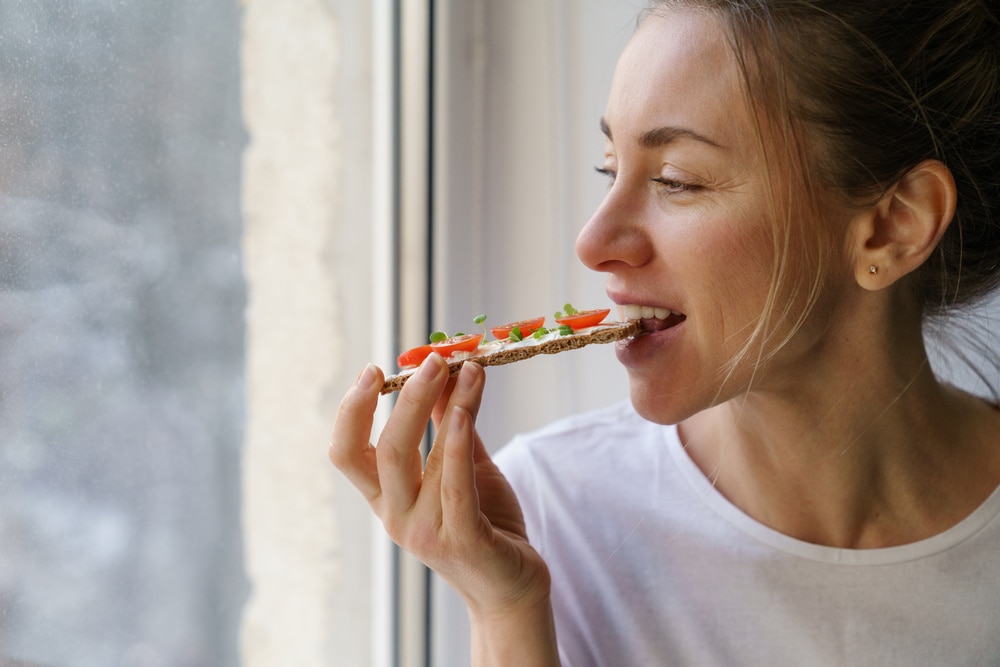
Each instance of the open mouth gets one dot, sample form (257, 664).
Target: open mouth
(652, 319)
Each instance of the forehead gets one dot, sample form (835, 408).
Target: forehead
(678, 70)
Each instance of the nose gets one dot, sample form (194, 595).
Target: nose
(614, 238)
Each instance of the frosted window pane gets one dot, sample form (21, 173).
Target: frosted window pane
(121, 336)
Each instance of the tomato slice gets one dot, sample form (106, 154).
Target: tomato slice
(464, 343)
(584, 318)
(527, 328)
(414, 356)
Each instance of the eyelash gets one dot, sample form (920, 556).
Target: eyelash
(669, 184)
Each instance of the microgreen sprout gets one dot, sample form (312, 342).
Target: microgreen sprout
(438, 336)
(539, 332)
(479, 319)
(565, 330)
(515, 334)
(569, 309)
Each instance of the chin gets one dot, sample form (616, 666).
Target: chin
(659, 407)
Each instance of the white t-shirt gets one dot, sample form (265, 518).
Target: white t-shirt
(652, 566)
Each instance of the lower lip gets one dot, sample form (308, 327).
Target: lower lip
(639, 350)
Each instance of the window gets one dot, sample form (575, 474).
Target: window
(121, 333)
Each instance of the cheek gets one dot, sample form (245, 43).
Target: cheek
(737, 261)
(743, 283)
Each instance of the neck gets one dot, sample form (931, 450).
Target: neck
(858, 457)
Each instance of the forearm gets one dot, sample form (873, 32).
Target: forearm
(526, 638)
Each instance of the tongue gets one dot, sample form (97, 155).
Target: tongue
(652, 324)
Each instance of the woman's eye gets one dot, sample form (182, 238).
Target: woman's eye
(671, 185)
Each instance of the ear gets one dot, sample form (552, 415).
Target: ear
(895, 236)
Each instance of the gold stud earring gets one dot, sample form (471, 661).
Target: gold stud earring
(872, 269)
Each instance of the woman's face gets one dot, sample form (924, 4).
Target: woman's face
(684, 231)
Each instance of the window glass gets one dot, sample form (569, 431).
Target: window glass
(121, 336)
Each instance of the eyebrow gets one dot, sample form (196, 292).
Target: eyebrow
(662, 136)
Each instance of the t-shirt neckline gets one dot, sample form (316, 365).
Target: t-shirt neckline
(718, 503)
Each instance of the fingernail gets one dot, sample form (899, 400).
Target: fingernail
(429, 368)
(367, 377)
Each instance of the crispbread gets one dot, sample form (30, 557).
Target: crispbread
(498, 353)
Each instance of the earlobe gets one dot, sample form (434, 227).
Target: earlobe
(895, 236)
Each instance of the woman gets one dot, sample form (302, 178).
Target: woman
(795, 186)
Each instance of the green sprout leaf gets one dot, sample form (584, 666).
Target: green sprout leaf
(569, 309)
(539, 332)
(515, 334)
(565, 330)
(479, 319)
(438, 336)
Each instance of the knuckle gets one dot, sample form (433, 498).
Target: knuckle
(390, 455)
(422, 539)
(338, 456)
(417, 536)
(453, 494)
(409, 401)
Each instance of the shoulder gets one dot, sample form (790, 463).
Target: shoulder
(593, 431)
(609, 446)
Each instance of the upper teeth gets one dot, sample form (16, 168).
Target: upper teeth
(634, 312)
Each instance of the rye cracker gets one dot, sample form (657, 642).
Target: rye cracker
(498, 353)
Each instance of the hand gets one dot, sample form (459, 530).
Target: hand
(456, 513)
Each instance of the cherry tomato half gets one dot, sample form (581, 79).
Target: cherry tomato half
(413, 356)
(584, 318)
(464, 343)
(527, 328)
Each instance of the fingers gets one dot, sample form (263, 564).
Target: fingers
(350, 450)
(466, 391)
(450, 472)
(400, 465)
(460, 509)
(414, 500)
(438, 414)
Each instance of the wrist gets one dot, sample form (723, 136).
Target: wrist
(524, 635)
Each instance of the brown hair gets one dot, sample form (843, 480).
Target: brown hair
(878, 87)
